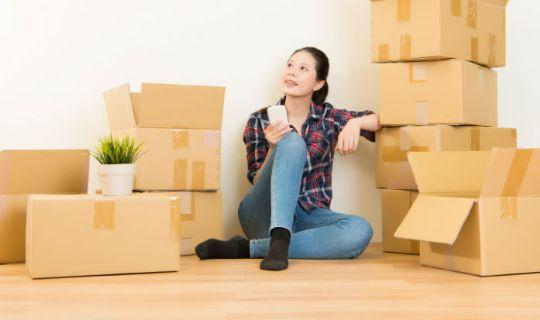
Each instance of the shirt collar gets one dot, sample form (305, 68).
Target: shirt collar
(315, 111)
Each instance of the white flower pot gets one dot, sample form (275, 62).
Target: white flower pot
(116, 179)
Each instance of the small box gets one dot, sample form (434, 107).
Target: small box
(477, 212)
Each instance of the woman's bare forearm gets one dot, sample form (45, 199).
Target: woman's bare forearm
(370, 122)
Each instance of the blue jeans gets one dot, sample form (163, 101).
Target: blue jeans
(273, 202)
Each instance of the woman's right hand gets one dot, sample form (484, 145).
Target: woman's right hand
(275, 131)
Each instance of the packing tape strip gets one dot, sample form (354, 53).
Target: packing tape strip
(190, 214)
(513, 182)
(417, 72)
(180, 178)
(175, 223)
(456, 8)
(404, 10)
(393, 154)
(180, 139)
(198, 175)
(422, 112)
(474, 48)
(492, 49)
(384, 52)
(475, 139)
(104, 214)
(405, 47)
(472, 13)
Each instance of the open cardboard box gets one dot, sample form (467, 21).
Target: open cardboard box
(175, 158)
(34, 171)
(404, 30)
(477, 212)
(83, 235)
(437, 92)
(392, 144)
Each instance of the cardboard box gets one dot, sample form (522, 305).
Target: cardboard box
(34, 171)
(477, 212)
(392, 168)
(165, 106)
(200, 215)
(395, 204)
(82, 235)
(473, 30)
(177, 159)
(437, 92)
(174, 159)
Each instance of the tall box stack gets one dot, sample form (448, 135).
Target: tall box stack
(180, 129)
(437, 91)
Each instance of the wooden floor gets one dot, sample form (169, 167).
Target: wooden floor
(375, 286)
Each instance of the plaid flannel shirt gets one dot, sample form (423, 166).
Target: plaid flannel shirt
(320, 132)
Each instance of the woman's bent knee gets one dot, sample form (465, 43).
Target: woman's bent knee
(357, 236)
(292, 142)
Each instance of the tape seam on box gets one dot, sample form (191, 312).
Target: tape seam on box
(422, 113)
(384, 52)
(492, 49)
(456, 8)
(513, 182)
(198, 175)
(474, 48)
(404, 10)
(417, 72)
(175, 223)
(475, 139)
(189, 215)
(104, 214)
(472, 14)
(180, 139)
(405, 47)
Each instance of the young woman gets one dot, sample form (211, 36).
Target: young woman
(286, 214)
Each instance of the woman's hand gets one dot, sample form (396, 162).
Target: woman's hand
(275, 131)
(350, 134)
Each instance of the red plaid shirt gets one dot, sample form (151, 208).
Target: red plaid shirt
(320, 132)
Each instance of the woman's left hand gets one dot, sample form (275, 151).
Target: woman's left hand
(349, 136)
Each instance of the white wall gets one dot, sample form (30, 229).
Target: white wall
(57, 58)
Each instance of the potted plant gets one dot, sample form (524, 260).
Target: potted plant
(117, 164)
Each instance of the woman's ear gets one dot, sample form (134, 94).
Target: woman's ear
(319, 85)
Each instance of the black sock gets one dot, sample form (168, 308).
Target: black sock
(278, 252)
(235, 248)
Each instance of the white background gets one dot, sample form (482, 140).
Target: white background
(57, 57)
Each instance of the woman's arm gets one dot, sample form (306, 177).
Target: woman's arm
(369, 122)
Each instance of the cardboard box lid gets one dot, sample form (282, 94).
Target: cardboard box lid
(435, 219)
(500, 172)
(43, 171)
(449, 172)
(120, 108)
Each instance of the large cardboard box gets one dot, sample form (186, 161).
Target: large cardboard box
(34, 171)
(437, 92)
(395, 204)
(82, 235)
(392, 168)
(477, 212)
(174, 159)
(201, 217)
(473, 30)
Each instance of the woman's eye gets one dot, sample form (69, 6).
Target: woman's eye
(289, 65)
(303, 68)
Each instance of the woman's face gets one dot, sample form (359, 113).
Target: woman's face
(300, 76)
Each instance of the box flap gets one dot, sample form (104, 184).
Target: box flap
(119, 108)
(444, 172)
(435, 219)
(513, 172)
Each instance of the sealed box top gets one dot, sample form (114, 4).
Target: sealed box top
(43, 171)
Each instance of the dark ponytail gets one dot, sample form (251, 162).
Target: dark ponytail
(323, 68)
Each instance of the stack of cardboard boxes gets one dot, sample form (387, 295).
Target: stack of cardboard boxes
(437, 91)
(180, 129)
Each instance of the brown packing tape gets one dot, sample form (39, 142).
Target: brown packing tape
(475, 139)
(189, 216)
(175, 219)
(512, 185)
(180, 139)
(404, 10)
(180, 174)
(472, 13)
(198, 175)
(104, 215)
(456, 8)
(405, 48)
(394, 154)
(384, 52)
(474, 48)
(509, 208)
(492, 49)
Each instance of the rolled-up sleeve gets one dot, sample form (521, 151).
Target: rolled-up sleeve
(256, 146)
(342, 116)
